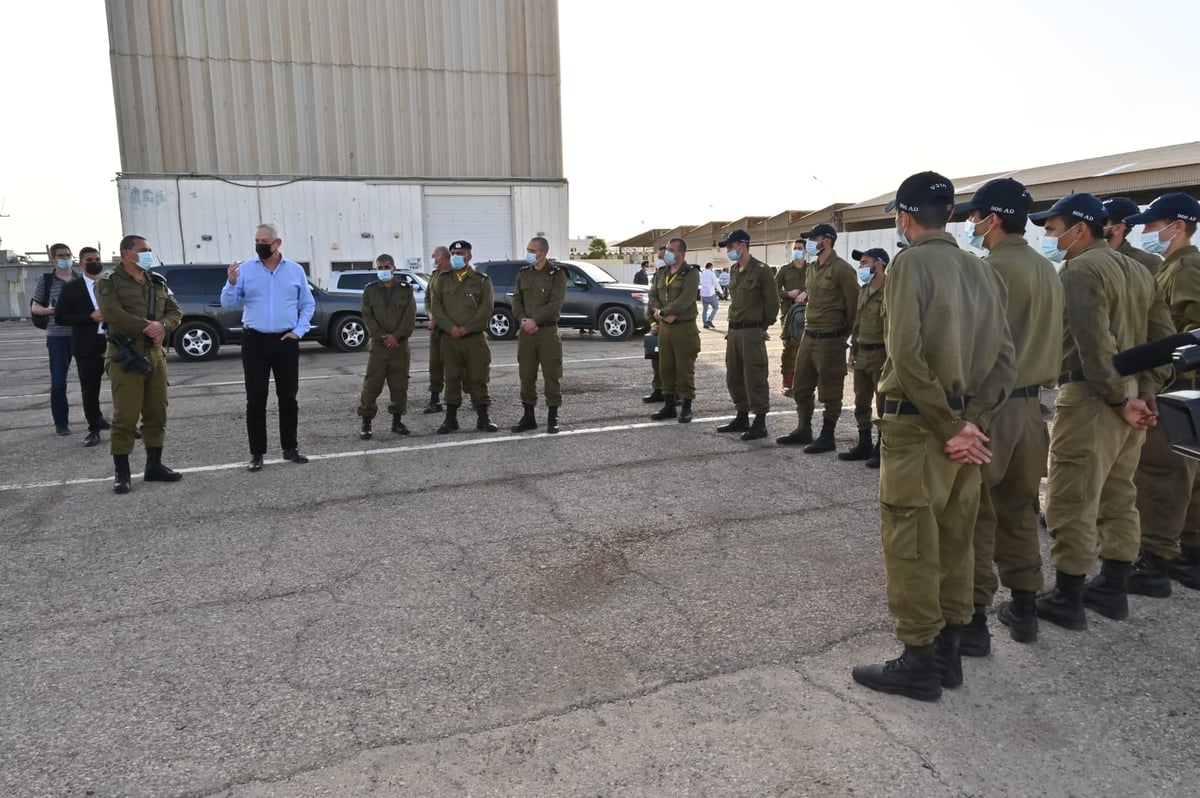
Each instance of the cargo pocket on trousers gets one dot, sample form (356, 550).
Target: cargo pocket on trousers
(900, 529)
(902, 494)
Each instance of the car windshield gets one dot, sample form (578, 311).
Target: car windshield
(595, 272)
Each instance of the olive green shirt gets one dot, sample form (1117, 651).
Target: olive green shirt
(754, 294)
(123, 301)
(1150, 261)
(1179, 281)
(947, 334)
(832, 296)
(1110, 304)
(868, 319)
(675, 294)
(1035, 306)
(790, 277)
(540, 293)
(389, 310)
(464, 301)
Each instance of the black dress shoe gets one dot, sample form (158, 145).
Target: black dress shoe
(92, 439)
(255, 463)
(654, 396)
(295, 456)
(62, 429)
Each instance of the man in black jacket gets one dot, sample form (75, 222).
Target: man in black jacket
(77, 309)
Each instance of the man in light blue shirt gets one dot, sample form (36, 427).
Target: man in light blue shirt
(277, 306)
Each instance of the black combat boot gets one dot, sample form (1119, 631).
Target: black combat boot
(552, 420)
(655, 395)
(913, 674)
(685, 411)
(1020, 616)
(863, 450)
(1150, 577)
(976, 640)
(801, 434)
(482, 422)
(365, 433)
(398, 425)
(1063, 605)
(873, 460)
(527, 421)
(451, 422)
(155, 470)
(1186, 568)
(121, 475)
(740, 423)
(757, 430)
(947, 656)
(824, 442)
(434, 405)
(1107, 593)
(668, 409)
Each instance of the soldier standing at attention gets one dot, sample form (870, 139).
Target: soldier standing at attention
(673, 308)
(821, 357)
(751, 311)
(135, 303)
(462, 304)
(1100, 418)
(867, 351)
(1116, 232)
(950, 365)
(437, 380)
(790, 282)
(656, 394)
(537, 304)
(389, 312)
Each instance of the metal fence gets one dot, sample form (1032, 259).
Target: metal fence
(18, 281)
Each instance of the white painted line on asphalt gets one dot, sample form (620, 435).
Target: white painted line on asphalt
(30, 357)
(178, 386)
(421, 447)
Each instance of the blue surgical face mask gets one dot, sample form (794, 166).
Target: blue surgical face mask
(812, 247)
(901, 239)
(669, 258)
(457, 261)
(145, 259)
(530, 258)
(733, 255)
(1050, 249)
(1155, 245)
(797, 254)
(864, 274)
(385, 275)
(64, 263)
(974, 238)
(659, 263)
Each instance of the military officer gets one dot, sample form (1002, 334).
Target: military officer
(1166, 482)
(832, 301)
(462, 305)
(672, 307)
(867, 351)
(124, 296)
(390, 313)
(656, 394)
(537, 304)
(790, 282)
(1117, 230)
(437, 379)
(752, 311)
(1110, 304)
(949, 367)
(1006, 529)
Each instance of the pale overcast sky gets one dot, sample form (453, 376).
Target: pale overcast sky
(683, 111)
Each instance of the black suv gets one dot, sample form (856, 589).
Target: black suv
(336, 322)
(594, 301)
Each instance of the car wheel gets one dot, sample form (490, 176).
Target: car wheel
(195, 340)
(349, 334)
(501, 325)
(616, 324)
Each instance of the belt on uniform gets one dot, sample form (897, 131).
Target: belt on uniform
(745, 325)
(818, 335)
(903, 407)
(871, 347)
(266, 332)
(1070, 376)
(1028, 392)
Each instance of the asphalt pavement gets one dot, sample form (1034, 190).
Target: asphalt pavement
(627, 608)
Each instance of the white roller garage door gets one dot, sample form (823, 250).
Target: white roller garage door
(481, 215)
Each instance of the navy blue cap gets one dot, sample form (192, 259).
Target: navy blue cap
(821, 230)
(875, 252)
(1079, 207)
(736, 236)
(1174, 206)
(923, 190)
(460, 244)
(1003, 196)
(1118, 209)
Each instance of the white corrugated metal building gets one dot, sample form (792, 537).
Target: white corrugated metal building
(358, 128)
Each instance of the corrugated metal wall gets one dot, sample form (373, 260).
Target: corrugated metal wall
(355, 88)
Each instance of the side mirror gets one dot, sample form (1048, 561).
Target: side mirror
(581, 282)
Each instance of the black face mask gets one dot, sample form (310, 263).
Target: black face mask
(93, 268)
(263, 251)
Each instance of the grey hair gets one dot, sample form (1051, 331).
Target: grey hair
(272, 229)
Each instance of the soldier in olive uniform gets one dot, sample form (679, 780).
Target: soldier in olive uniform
(949, 367)
(1166, 482)
(832, 301)
(390, 313)
(437, 378)
(1110, 304)
(672, 307)
(462, 305)
(752, 310)
(867, 351)
(135, 303)
(1006, 529)
(656, 394)
(537, 304)
(790, 282)
(1116, 231)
